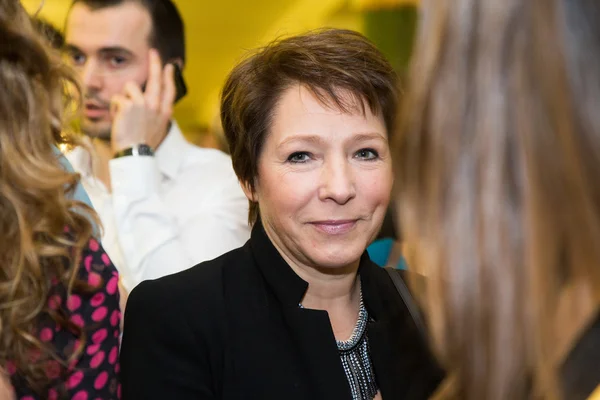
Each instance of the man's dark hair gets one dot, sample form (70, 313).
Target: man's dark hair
(49, 32)
(167, 35)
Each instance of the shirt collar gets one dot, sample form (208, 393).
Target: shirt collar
(81, 157)
(169, 155)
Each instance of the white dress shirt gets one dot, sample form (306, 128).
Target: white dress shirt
(168, 212)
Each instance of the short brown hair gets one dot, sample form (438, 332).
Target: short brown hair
(327, 62)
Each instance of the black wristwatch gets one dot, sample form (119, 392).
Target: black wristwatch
(136, 150)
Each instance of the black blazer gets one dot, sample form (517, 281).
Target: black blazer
(231, 328)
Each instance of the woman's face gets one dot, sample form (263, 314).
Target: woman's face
(324, 180)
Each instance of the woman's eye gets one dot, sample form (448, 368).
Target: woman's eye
(367, 154)
(299, 157)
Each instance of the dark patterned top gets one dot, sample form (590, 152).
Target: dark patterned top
(94, 374)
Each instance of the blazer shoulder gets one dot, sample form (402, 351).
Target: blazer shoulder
(203, 283)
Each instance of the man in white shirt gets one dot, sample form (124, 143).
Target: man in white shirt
(165, 204)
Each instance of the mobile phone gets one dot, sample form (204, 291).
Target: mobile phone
(180, 86)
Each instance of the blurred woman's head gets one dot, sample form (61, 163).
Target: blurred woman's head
(499, 179)
(307, 120)
(35, 210)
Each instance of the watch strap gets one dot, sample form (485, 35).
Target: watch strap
(136, 150)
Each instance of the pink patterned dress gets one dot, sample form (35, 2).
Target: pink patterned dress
(94, 374)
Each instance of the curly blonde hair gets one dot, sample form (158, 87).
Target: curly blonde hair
(42, 230)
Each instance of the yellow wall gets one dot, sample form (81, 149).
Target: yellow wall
(219, 33)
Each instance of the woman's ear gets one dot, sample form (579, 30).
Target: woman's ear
(250, 191)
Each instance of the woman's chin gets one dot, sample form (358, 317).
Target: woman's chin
(338, 262)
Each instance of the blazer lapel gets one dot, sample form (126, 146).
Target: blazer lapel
(315, 341)
(310, 330)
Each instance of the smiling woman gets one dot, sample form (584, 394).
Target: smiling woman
(324, 176)
(300, 312)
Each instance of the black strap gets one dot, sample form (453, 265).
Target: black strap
(580, 375)
(407, 297)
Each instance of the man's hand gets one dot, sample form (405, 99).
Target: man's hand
(143, 117)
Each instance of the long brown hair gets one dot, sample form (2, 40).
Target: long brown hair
(498, 173)
(36, 252)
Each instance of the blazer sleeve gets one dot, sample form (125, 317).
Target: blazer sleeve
(161, 357)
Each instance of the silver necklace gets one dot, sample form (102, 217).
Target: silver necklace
(355, 356)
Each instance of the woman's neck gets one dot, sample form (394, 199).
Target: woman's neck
(337, 293)
(335, 290)
(329, 289)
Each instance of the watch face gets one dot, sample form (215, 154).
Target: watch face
(144, 150)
